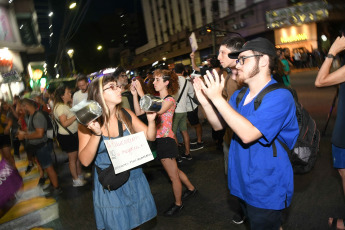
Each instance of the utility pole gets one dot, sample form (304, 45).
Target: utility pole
(214, 10)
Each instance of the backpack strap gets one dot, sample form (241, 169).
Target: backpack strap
(240, 95)
(270, 88)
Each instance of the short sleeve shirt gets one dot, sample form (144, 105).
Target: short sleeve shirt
(255, 175)
(62, 109)
(37, 121)
(164, 126)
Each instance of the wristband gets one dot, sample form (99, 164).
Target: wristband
(330, 55)
(98, 135)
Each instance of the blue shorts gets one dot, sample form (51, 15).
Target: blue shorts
(44, 155)
(338, 157)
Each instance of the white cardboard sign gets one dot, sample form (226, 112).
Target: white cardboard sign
(129, 151)
(193, 42)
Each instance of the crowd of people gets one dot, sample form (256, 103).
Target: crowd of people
(262, 183)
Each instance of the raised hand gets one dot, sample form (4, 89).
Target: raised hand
(213, 86)
(95, 127)
(198, 84)
(337, 46)
(151, 116)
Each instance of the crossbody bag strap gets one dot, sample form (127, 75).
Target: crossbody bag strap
(69, 132)
(184, 86)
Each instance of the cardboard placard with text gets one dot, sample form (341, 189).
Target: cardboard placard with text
(128, 152)
(193, 42)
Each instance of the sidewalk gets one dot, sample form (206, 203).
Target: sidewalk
(31, 208)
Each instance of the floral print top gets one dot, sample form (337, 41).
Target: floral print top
(164, 121)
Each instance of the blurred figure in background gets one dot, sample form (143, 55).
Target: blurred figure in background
(68, 132)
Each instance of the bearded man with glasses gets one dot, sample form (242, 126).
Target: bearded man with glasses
(261, 180)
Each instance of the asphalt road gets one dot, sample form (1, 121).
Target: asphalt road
(318, 194)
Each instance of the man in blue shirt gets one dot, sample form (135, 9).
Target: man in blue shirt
(262, 181)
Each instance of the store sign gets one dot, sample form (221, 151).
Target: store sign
(294, 38)
(12, 76)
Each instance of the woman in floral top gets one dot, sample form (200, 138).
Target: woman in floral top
(166, 83)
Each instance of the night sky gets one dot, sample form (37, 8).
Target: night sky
(99, 26)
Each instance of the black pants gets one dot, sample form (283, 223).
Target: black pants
(262, 219)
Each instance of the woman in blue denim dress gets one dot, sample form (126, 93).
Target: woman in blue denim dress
(132, 204)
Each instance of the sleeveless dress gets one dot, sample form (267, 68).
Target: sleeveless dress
(127, 207)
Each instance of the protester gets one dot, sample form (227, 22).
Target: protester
(325, 78)
(262, 181)
(37, 142)
(228, 45)
(68, 132)
(132, 204)
(81, 94)
(180, 115)
(166, 83)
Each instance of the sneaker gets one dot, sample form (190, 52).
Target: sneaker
(54, 192)
(194, 141)
(78, 182)
(238, 219)
(42, 183)
(173, 210)
(188, 193)
(186, 156)
(29, 168)
(197, 146)
(179, 159)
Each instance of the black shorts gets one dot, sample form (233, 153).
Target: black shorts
(5, 140)
(68, 143)
(166, 148)
(193, 117)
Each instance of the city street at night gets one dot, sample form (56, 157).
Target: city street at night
(318, 194)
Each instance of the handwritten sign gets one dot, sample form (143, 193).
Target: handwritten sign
(128, 152)
(193, 42)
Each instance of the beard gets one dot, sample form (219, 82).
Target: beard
(254, 71)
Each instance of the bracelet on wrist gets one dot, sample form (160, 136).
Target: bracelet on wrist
(95, 134)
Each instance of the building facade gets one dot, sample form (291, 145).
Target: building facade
(20, 43)
(170, 23)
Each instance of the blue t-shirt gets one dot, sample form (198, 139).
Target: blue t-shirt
(254, 174)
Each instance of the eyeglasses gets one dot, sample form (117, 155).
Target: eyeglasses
(123, 75)
(113, 87)
(241, 59)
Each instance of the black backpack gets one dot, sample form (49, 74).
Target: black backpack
(304, 153)
(52, 128)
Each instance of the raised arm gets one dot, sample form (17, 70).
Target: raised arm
(243, 128)
(194, 66)
(212, 115)
(88, 143)
(149, 130)
(324, 77)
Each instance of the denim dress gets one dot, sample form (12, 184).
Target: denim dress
(127, 207)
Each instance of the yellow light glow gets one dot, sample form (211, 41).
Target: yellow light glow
(294, 38)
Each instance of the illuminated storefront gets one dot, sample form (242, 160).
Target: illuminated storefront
(304, 36)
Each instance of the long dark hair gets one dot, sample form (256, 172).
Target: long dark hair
(95, 93)
(59, 92)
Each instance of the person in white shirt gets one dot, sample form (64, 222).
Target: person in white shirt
(81, 94)
(180, 116)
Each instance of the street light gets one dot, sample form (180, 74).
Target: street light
(99, 47)
(72, 5)
(70, 53)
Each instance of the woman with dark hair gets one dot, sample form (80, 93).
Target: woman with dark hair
(68, 132)
(132, 204)
(166, 83)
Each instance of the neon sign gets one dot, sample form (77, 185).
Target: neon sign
(294, 38)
